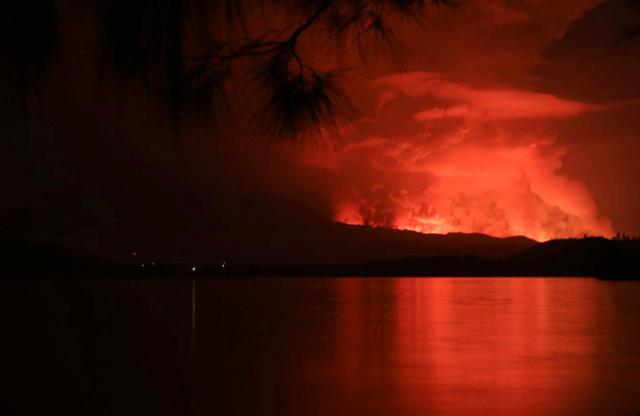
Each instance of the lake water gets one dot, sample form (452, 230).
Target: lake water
(343, 346)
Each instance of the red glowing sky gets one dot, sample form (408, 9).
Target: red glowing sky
(499, 117)
(481, 135)
(464, 169)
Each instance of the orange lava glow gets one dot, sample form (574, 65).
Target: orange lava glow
(500, 191)
(485, 162)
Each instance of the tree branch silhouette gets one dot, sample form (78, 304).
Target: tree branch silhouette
(190, 52)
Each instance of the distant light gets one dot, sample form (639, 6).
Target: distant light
(134, 254)
(224, 263)
(193, 269)
(153, 263)
(142, 265)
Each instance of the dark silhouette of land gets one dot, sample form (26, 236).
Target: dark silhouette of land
(397, 253)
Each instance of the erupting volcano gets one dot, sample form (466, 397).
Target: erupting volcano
(255, 137)
(499, 190)
(468, 160)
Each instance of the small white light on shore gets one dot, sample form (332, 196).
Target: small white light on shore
(224, 263)
(134, 254)
(153, 263)
(193, 269)
(142, 265)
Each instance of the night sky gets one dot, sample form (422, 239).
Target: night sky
(498, 117)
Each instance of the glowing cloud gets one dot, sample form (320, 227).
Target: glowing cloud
(468, 169)
(474, 104)
(496, 189)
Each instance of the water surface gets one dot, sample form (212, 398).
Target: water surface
(344, 346)
(411, 346)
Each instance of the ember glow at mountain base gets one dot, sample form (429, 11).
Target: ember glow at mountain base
(500, 191)
(497, 189)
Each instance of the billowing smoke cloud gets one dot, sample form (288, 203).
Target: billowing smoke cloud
(485, 161)
(496, 189)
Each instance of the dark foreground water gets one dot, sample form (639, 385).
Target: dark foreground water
(404, 346)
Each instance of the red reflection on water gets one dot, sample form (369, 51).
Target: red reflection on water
(499, 345)
(465, 346)
(443, 346)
